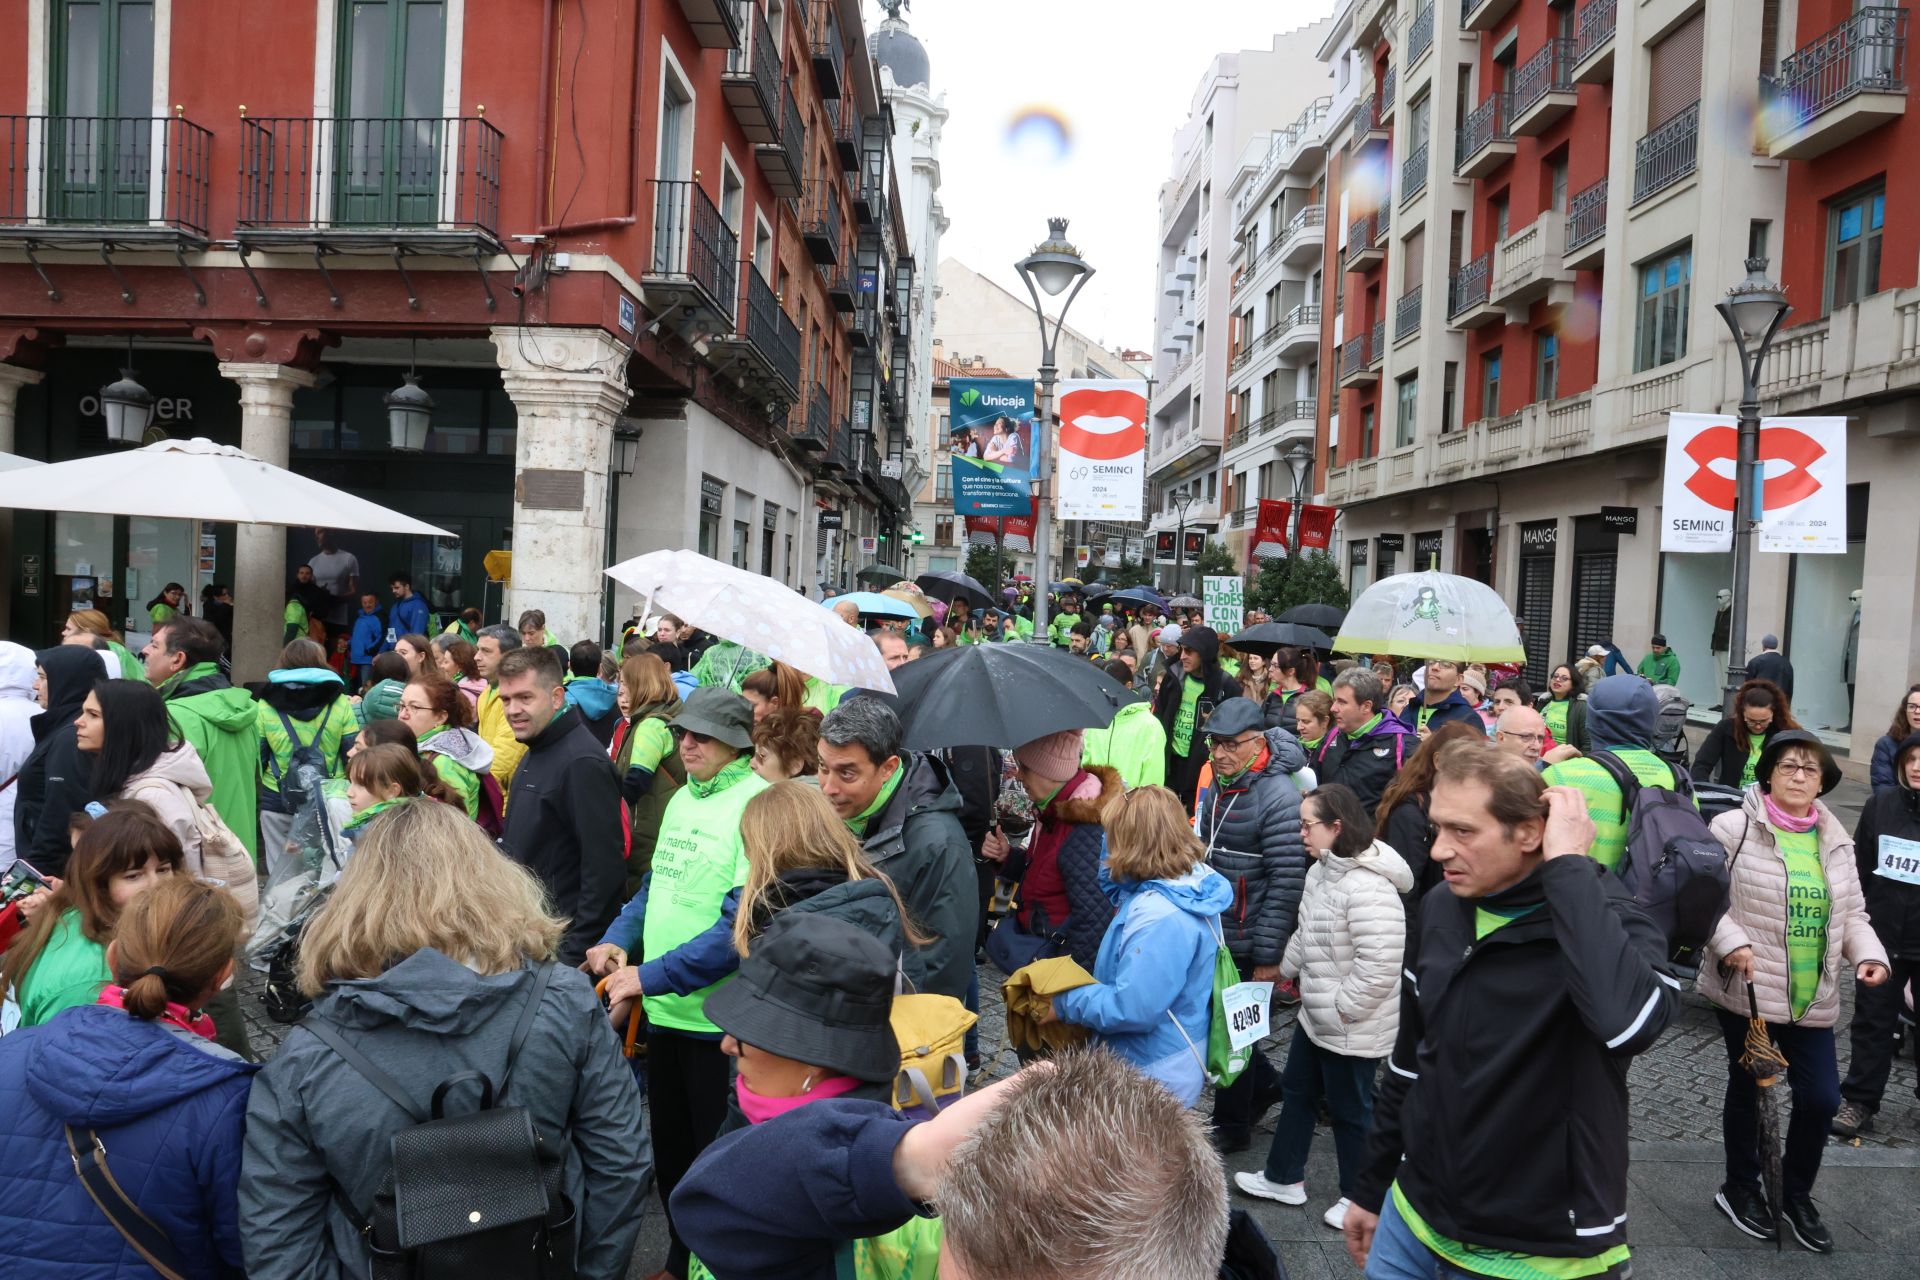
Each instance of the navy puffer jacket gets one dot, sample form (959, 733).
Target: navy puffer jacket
(1252, 832)
(169, 1107)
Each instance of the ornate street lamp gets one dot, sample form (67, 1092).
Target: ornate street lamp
(409, 414)
(126, 405)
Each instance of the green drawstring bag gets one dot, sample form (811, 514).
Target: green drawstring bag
(1224, 1063)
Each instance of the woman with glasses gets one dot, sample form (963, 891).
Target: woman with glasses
(1906, 722)
(1731, 754)
(1796, 926)
(1564, 707)
(439, 715)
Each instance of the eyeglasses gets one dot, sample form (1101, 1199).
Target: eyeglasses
(420, 707)
(700, 739)
(1797, 770)
(1233, 744)
(1537, 739)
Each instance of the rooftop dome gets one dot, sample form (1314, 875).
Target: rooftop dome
(900, 51)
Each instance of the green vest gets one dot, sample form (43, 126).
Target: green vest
(1604, 803)
(697, 861)
(334, 725)
(1134, 746)
(222, 726)
(908, 1252)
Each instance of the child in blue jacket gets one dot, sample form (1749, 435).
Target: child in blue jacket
(369, 638)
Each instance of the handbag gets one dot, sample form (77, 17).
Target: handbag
(135, 1227)
(1012, 948)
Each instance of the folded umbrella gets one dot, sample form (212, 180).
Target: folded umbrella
(1323, 616)
(1265, 638)
(945, 584)
(1001, 695)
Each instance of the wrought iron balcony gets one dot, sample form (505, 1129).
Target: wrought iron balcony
(751, 81)
(1593, 42)
(870, 199)
(1420, 34)
(809, 420)
(1413, 172)
(1543, 88)
(695, 253)
(1389, 83)
(99, 179)
(765, 345)
(1467, 304)
(1485, 142)
(426, 182)
(1360, 359)
(1848, 81)
(1587, 227)
(716, 24)
(1406, 314)
(820, 222)
(1367, 241)
(784, 161)
(1666, 155)
(829, 57)
(847, 132)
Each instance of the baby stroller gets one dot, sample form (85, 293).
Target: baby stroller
(1670, 726)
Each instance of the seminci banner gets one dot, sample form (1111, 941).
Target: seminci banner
(1270, 535)
(991, 446)
(1803, 493)
(1103, 449)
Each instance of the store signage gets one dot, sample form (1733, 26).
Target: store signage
(1163, 546)
(710, 494)
(1802, 499)
(30, 575)
(166, 408)
(1393, 542)
(1103, 449)
(890, 468)
(1082, 556)
(1359, 552)
(1426, 548)
(770, 516)
(1621, 519)
(1540, 536)
(1196, 543)
(830, 520)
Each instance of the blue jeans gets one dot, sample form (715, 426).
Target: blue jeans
(1813, 1078)
(1397, 1253)
(1347, 1084)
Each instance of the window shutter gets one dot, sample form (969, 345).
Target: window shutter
(1415, 257)
(1769, 36)
(1674, 76)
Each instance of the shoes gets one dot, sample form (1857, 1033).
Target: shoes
(1747, 1209)
(1286, 993)
(1852, 1120)
(1255, 1183)
(1807, 1227)
(1232, 1141)
(1336, 1215)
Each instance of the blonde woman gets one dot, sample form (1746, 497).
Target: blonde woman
(423, 960)
(801, 857)
(1152, 995)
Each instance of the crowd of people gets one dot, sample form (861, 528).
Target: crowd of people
(663, 905)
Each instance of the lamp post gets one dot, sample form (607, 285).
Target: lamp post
(1054, 267)
(1181, 501)
(1753, 310)
(1299, 459)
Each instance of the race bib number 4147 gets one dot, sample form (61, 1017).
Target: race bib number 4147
(1899, 859)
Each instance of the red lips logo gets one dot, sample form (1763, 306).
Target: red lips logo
(1783, 444)
(1115, 430)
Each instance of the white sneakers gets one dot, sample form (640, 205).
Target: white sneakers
(1255, 1183)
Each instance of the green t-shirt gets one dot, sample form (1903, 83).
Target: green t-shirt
(69, 971)
(652, 743)
(1183, 720)
(1486, 919)
(1555, 714)
(1483, 1261)
(1604, 802)
(1754, 748)
(1808, 904)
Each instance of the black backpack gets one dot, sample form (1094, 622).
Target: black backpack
(1674, 866)
(468, 1195)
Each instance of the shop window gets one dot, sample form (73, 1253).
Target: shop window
(1853, 246)
(456, 421)
(313, 423)
(363, 418)
(1660, 327)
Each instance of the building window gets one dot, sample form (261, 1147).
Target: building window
(1406, 410)
(1490, 384)
(1853, 247)
(1449, 381)
(1661, 327)
(1366, 431)
(943, 482)
(1759, 238)
(1546, 373)
(943, 531)
(1557, 182)
(1500, 218)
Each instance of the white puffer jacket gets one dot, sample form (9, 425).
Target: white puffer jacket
(1757, 917)
(1347, 947)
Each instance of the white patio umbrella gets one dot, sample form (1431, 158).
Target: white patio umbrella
(14, 462)
(198, 480)
(1431, 615)
(757, 612)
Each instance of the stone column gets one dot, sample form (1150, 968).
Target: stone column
(567, 386)
(12, 378)
(260, 550)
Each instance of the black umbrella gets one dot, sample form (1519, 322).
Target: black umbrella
(1769, 1067)
(1186, 602)
(879, 575)
(1001, 695)
(1140, 595)
(1269, 636)
(1323, 616)
(944, 584)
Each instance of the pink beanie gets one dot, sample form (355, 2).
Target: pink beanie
(1055, 757)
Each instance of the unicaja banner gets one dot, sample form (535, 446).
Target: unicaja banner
(1103, 449)
(991, 446)
(1316, 527)
(1803, 496)
(1270, 535)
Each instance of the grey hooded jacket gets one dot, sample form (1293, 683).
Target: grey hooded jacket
(1251, 828)
(314, 1125)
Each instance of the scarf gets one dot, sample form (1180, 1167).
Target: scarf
(175, 1014)
(858, 823)
(733, 771)
(1253, 768)
(1787, 822)
(758, 1109)
(1366, 728)
(373, 811)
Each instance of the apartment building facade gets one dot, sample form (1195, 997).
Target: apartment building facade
(1524, 309)
(647, 260)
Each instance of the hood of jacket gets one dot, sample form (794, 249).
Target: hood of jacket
(594, 696)
(1621, 711)
(1087, 809)
(71, 674)
(17, 675)
(925, 789)
(97, 1067)
(1202, 891)
(226, 708)
(183, 766)
(426, 992)
(462, 746)
(1285, 756)
(1378, 857)
(299, 690)
(864, 903)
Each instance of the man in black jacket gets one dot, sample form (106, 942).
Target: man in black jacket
(564, 821)
(1374, 744)
(1501, 1125)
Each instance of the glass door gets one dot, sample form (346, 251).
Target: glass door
(390, 136)
(100, 141)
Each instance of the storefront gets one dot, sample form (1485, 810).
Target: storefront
(1539, 545)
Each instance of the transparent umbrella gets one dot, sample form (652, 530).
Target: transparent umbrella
(1431, 615)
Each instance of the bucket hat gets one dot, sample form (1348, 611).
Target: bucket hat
(815, 990)
(717, 713)
(1779, 742)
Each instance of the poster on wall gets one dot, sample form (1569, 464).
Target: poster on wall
(1103, 449)
(1224, 602)
(991, 446)
(1803, 504)
(1270, 534)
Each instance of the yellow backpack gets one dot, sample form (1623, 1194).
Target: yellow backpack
(932, 1032)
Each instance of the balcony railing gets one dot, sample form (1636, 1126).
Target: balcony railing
(1295, 411)
(768, 330)
(691, 241)
(1305, 313)
(1406, 314)
(1587, 216)
(847, 132)
(1485, 126)
(1413, 172)
(1865, 54)
(1595, 28)
(1548, 71)
(809, 421)
(829, 57)
(820, 221)
(420, 175)
(68, 173)
(784, 162)
(1379, 343)
(1357, 354)
(1383, 109)
(1282, 146)
(1470, 284)
(752, 78)
(1420, 34)
(1364, 122)
(1666, 155)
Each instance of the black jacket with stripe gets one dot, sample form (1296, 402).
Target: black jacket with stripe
(1503, 1112)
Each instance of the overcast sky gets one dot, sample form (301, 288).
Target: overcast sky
(1121, 74)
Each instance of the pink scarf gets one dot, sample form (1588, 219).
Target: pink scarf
(1787, 822)
(176, 1014)
(758, 1110)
